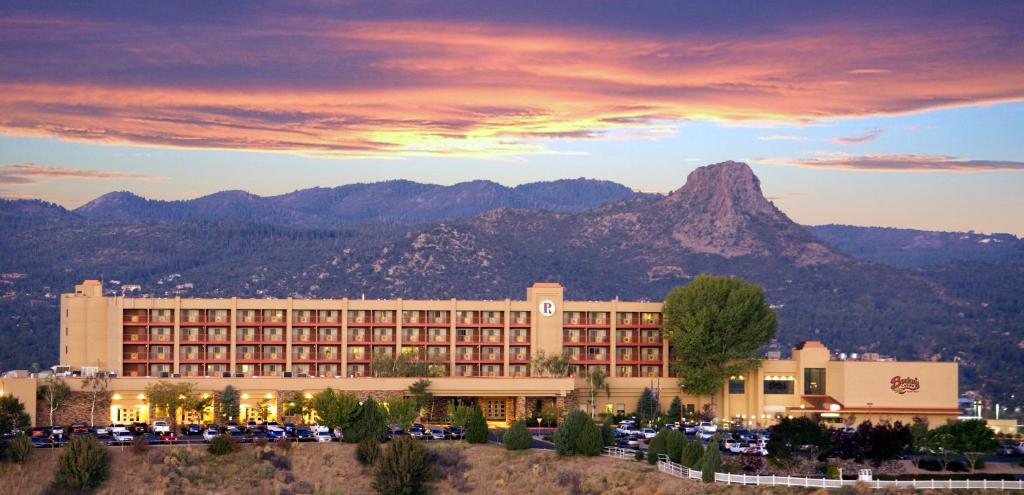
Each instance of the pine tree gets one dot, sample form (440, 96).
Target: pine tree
(710, 462)
(674, 443)
(518, 436)
(476, 428)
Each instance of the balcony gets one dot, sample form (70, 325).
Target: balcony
(260, 356)
(307, 357)
(196, 357)
(260, 337)
(144, 337)
(650, 340)
(437, 356)
(414, 338)
(205, 319)
(519, 357)
(358, 337)
(261, 320)
(204, 337)
(315, 319)
(161, 356)
(627, 358)
(519, 322)
(383, 339)
(439, 339)
(651, 358)
(143, 319)
(584, 340)
(361, 357)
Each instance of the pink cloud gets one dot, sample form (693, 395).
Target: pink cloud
(902, 163)
(867, 137)
(32, 173)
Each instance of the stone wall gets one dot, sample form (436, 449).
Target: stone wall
(74, 409)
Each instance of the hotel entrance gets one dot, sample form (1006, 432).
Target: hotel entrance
(495, 409)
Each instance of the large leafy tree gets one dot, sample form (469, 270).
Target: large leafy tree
(228, 405)
(974, 439)
(555, 365)
(12, 415)
(169, 397)
(716, 325)
(403, 364)
(647, 407)
(97, 386)
(334, 409)
(369, 424)
(53, 392)
(401, 411)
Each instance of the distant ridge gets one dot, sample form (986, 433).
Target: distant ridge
(397, 201)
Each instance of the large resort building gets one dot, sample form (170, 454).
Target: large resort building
(272, 349)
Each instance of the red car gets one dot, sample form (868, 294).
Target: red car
(168, 437)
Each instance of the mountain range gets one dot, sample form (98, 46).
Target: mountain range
(910, 294)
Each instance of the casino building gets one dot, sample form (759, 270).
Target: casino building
(272, 349)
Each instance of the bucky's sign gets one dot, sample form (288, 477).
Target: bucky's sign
(902, 385)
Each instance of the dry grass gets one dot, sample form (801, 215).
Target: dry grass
(332, 469)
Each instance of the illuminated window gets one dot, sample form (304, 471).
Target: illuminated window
(737, 385)
(814, 381)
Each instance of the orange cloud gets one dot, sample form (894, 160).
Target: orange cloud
(406, 88)
(901, 163)
(32, 173)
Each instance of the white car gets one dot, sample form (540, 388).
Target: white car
(738, 447)
(57, 430)
(708, 427)
(123, 437)
(649, 433)
(322, 434)
(209, 434)
(706, 435)
(102, 430)
(161, 427)
(1020, 448)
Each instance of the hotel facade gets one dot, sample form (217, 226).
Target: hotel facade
(272, 349)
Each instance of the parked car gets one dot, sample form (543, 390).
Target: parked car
(152, 438)
(122, 437)
(289, 429)
(649, 433)
(1020, 448)
(708, 426)
(210, 433)
(706, 435)
(106, 439)
(251, 425)
(739, 447)
(161, 427)
(193, 429)
(455, 433)
(41, 442)
(57, 430)
(416, 432)
(275, 432)
(168, 437)
(634, 441)
(757, 450)
(397, 432)
(323, 435)
(232, 425)
(1007, 449)
(690, 428)
(303, 434)
(258, 435)
(437, 434)
(238, 436)
(139, 428)
(80, 428)
(101, 430)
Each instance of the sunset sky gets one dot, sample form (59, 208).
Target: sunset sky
(905, 114)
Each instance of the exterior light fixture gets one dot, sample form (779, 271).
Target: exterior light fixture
(245, 396)
(834, 407)
(142, 396)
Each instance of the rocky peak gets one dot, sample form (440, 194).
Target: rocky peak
(725, 188)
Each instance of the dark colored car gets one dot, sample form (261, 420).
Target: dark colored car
(252, 426)
(152, 438)
(139, 428)
(258, 435)
(455, 433)
(107, 439)
(193, 429)
(289, 429)
(238, 436)
(41, 442)
(58, 440)
(79, 428)
(303, 434)
(397, 432)
(168, 437)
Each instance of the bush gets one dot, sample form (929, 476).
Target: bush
(570, 480)
(674, 443)
(578, 435)
(656, 446)
(368, 451)
(710, 462)
(639, 455)
(222, 445)
(20, 449)
(607, 432)
(450, 463)
(832, 472)
(692, 453)
(139, 445)
(518, 437)
(403, 469)
(369, 424)
(283, 444)
(476, 427)
(83, 465)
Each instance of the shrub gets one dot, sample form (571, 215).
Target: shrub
(403, 469)
(368, 451)
(674, 443)
(518, 437)
(656, 446)
(692, 452)
(20, 449)
(639, 455)
(832, 472)
(608, 432)
(450, 463)
(139, 445)
(222, 445)
(710, 462)
(570, 480)
(578, 435)
(476, 427)
(83, 465)
(283, 444)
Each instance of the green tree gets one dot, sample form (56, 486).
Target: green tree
(83, 465)
(790, 435)
(919, 440)
(12, 415)
(169, 397)
(369, 424)
(518, 436)
(195, 405)
(716, 325)
(97, 386)
(552, 366)
(299, 405)
(335, 409)
(460, 414)
(476, 427)
(598, 382)
(404, 468)
(589, 443)
(401, 411)
(647, 407)
(675, 410)
(692, 453)
(607, 431)
(710, 462)
(52, 392)
(404, 364)
(420, 391)
(657, 446)
(943, 443)
(974, 439)
(367, 452)
(228, 407)
(674, 443)
(222, 445)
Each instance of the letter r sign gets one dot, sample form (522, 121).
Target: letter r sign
(547, 307)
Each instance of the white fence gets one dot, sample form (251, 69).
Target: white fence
(619, 453)
(680, 471)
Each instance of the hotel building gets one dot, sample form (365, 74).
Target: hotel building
(272, 349)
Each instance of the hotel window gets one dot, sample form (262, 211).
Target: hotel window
(737, 385)
(689, 408)
(518, 370)
(520, 317)
(778, 385)
(814, 381)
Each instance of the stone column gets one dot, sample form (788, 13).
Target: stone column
(520, 408)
